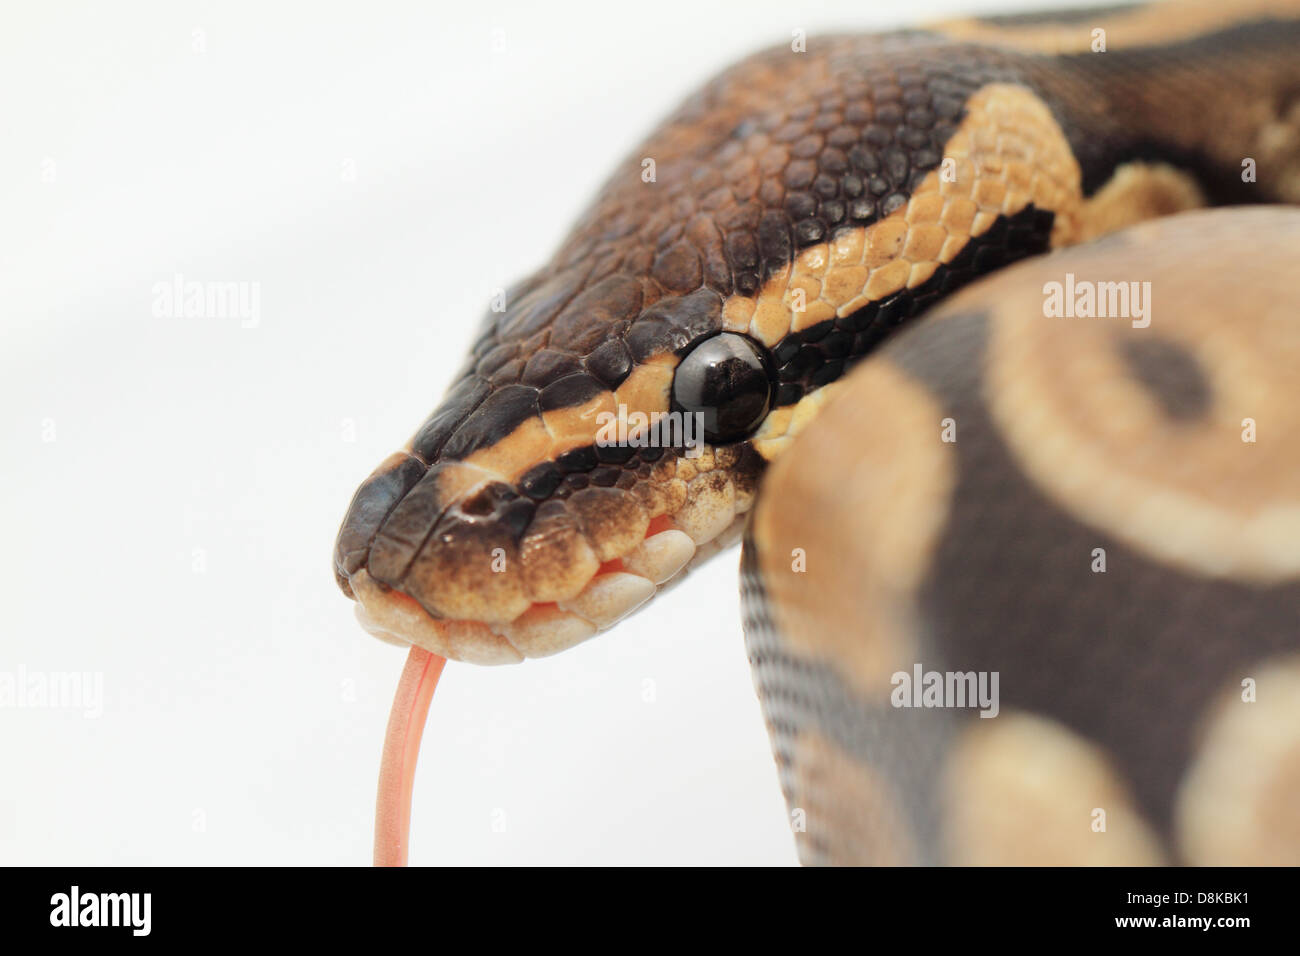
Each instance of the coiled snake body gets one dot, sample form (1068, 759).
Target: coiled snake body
(1070, 493)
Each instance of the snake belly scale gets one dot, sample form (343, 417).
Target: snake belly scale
(805, 206)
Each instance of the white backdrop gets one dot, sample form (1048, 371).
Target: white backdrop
(171, 486)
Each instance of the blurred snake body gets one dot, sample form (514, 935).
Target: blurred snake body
(1092, 506)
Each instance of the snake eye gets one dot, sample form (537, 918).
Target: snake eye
(728, 379)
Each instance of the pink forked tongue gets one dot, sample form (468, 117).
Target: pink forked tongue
(401, 750)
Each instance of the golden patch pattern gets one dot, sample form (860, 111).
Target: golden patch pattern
(1022, 790)
(1237, 804)
(1191, 494)
(1008, 153)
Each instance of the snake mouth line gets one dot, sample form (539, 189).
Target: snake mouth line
(617, 589)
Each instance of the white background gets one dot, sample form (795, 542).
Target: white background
(377, 169)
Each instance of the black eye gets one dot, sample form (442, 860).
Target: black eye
(728, 379)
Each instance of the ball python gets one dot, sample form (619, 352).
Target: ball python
(1066, 492)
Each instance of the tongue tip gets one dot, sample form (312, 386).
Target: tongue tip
(401, 751)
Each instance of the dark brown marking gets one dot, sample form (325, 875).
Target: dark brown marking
(549, 365)
(371, 505)
(611, 363)
(572, 390)
(496, 417)
(1170, 373)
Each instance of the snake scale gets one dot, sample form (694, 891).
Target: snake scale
(1069, 493)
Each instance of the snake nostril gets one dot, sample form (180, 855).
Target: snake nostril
(499, 504)
(480, 505)
(489, 500)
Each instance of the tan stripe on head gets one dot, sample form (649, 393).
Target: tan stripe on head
(1008, 153)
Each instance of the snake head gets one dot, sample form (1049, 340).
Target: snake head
(595, 446)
